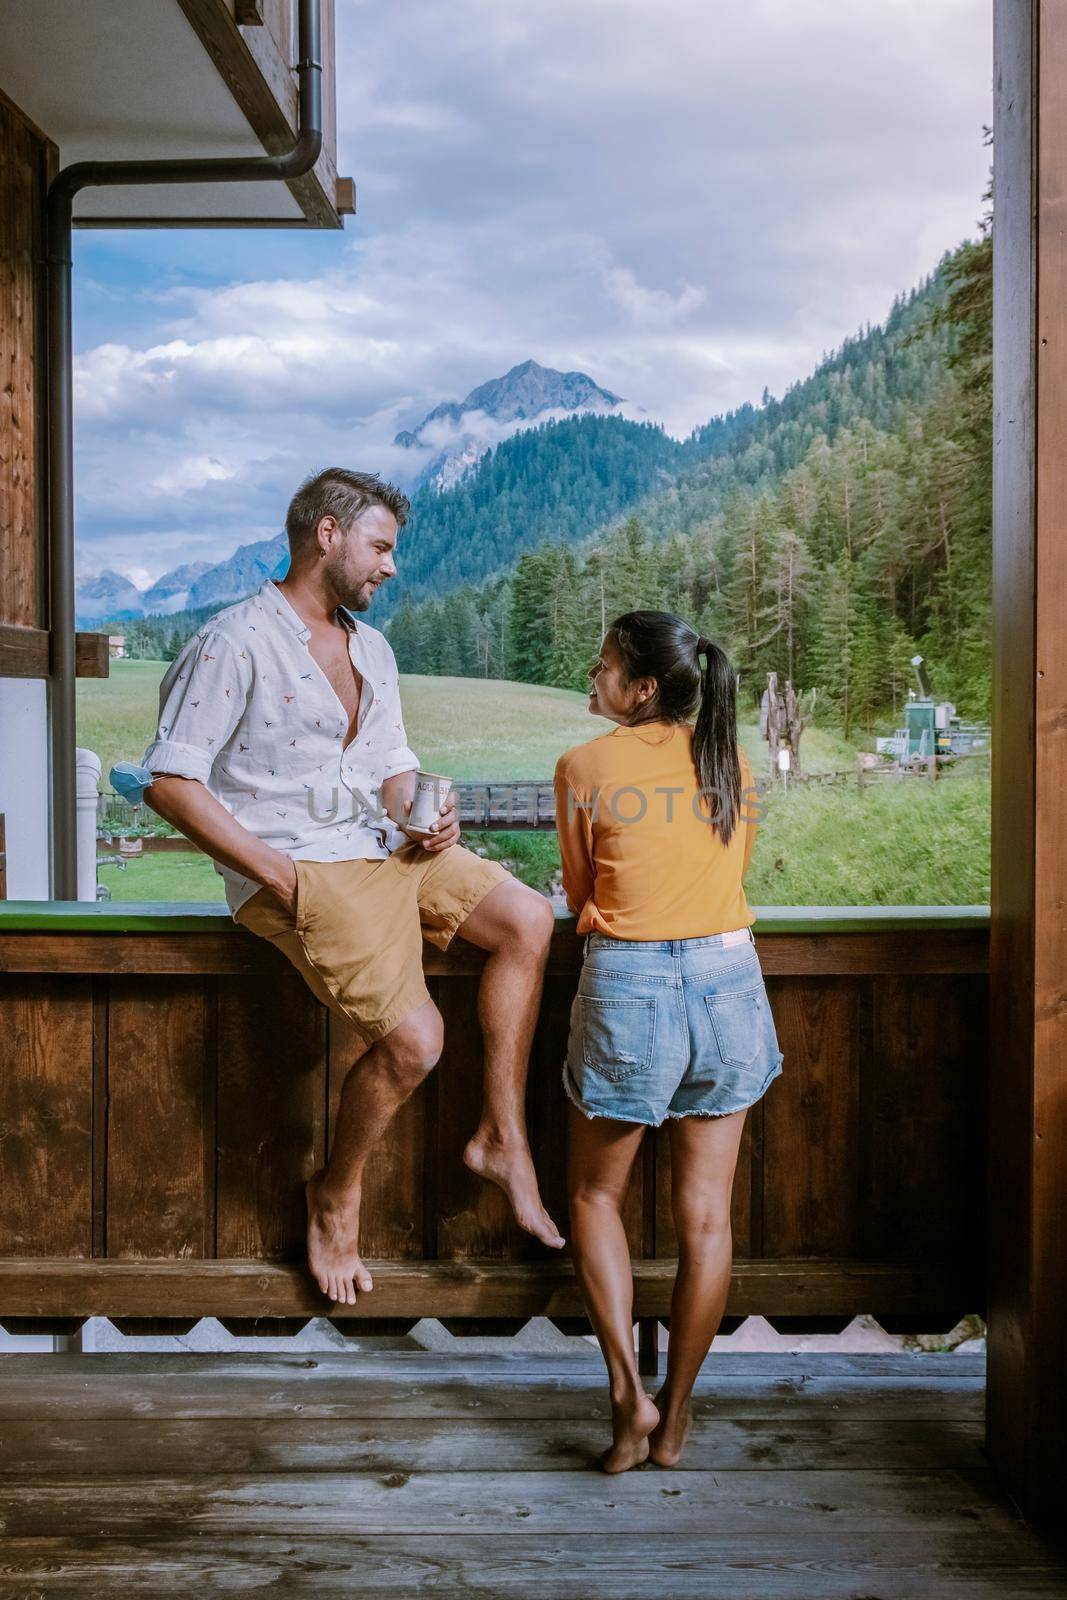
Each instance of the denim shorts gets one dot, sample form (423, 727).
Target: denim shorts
(670, 1028)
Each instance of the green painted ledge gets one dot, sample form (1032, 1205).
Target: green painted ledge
(74, 916)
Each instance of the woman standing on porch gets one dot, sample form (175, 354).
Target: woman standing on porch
(671, 1020)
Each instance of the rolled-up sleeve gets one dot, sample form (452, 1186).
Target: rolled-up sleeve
(399, 757)
(201, 701)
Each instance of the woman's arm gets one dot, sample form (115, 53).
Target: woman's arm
(574, 827)
(748, 812)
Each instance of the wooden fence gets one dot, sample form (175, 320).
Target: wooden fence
(483, 803)
(521, 804)
(166, 1082)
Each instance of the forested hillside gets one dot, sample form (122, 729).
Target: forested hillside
(828, 535)
(556, 481)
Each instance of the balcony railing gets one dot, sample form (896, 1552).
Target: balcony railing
(168, 1081)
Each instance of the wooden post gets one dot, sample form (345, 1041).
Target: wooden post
(781, 723)
(1026, 1426)
(648, 1347)
(772, 713)
(795, 724)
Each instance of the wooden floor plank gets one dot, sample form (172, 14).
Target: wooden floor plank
(462, 1398)
(808, 1478)
(166, 1446)
(269, 1366)
(369, 1504)
(935, 1563)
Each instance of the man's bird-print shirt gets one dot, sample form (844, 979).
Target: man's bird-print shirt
(248, 711)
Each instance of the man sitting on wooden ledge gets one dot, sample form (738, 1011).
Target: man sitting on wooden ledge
(281, 753)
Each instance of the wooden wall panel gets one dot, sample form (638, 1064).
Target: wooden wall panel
(204, 1100)
(161, 1121)
(23, 156)
(391, 1210)
(473, 1217)
(922, 1131)
(811, 1121)
(271, 1114)
(46, 1116)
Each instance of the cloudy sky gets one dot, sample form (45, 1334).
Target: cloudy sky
(688, 199)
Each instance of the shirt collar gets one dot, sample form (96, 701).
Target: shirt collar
(272, 596)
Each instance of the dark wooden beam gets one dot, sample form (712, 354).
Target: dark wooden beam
(24, 653)
(92, 657)
(262, 83)
(248, 14)
(1027, 1151)
(43, 1288)
(234, 951)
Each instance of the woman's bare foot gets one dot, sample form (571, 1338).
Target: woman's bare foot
(671, 1434)
(632, 1420)
(510, 1166)
(333, 1244)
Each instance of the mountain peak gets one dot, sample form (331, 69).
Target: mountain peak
(460, 432)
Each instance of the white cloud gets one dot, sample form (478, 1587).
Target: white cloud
(192, 472)
(650, 307)
(687, 201)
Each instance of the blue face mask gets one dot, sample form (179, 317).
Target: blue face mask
(130, 781)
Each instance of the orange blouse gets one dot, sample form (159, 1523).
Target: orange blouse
(640, 858)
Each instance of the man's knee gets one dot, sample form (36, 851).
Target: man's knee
(529, 922)
(413, 1048)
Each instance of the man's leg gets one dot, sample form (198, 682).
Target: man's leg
(514, 924)
(376, 1086)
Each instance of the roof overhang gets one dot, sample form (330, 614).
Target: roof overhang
(149, 79)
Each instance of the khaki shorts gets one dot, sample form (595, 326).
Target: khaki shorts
(359, 925)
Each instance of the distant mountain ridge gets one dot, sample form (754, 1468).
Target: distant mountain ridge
(460, 432)
(110, 597)
(491, 413)
(564, 481)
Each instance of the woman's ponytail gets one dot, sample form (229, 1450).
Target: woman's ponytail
(715, 739)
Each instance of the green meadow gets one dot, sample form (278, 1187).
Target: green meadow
(468, 727)
(912, 843)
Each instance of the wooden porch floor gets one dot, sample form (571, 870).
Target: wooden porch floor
(348, 1474)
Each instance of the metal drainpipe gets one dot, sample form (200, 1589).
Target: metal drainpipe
(59, 214)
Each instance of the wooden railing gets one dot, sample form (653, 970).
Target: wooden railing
(481, 803)
(167, 1081)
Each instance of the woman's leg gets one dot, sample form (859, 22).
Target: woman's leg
(601, 1155)
(703, 1160)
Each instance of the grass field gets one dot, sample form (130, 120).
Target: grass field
(164, 876)
(468, 727)
(909, 844)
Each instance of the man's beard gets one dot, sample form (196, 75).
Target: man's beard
(358, 599)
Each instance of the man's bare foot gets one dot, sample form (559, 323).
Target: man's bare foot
(511, 1167)
(632, 1420)
(333, 1244)
(671, 1434)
